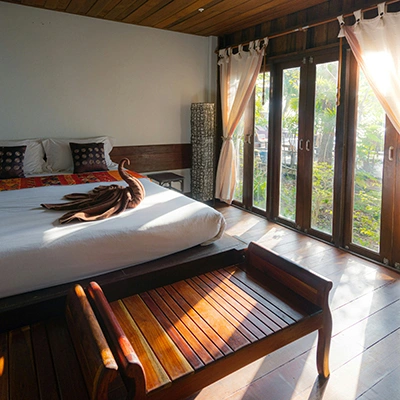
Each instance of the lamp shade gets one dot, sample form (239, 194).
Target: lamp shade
(203, 143)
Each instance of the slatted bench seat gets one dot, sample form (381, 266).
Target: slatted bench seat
(64, 357)
(171, 341)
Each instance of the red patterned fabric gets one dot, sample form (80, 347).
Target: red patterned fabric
(71, 179)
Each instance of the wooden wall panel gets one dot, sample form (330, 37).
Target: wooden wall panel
(150, 158)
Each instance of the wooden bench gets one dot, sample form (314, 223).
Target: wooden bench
(171, 341)
(97, 362)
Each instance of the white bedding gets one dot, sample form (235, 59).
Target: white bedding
(36, 252)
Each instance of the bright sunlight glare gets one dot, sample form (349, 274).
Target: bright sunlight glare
(379, 65)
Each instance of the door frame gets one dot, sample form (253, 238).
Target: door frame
(306, 62)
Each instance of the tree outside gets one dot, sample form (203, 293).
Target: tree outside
(368, 168)
(367, 189)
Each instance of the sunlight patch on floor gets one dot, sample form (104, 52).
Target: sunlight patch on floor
(272, 238)
(242, 227)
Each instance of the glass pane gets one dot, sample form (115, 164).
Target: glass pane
(367, 189)
(239, 147)
(324, 146)
(261, 141)
(290, 126)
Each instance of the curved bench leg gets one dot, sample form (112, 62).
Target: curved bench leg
(324, 344)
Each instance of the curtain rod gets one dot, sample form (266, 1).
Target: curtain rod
(304, 28)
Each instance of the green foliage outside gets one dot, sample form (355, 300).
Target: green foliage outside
(290, 128)
(260, 154)
(367, 189)
(368, 173)
(324, 143)
(367, 211)
(259, 183)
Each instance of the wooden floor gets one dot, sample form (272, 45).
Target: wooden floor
(365, 350)
(365, 303)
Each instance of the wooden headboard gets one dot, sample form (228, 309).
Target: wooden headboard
(159, 157)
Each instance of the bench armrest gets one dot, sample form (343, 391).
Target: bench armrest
(129, 365)
(98, 365)
(304, 282)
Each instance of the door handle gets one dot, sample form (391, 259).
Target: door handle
(391, 153)
(301, 144)
(308, 145)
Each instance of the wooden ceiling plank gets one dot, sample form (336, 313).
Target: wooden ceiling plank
(239, 13)
(136, 5)
(102, 7)
(51, 4)
(236, 17)
(87, 5)
(247, 19)
(244, 11)
(79, 7)
(34, 3)
(117, 10)
(220, 17)
(188, 13)
(97, 7)
(148, 8)
(209, 16)
(175, 11)
(74, 7)
(62, 5)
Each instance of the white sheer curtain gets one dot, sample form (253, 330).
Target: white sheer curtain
(375, 44)
(238, 75)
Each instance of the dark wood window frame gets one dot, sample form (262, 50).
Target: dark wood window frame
(344, 162)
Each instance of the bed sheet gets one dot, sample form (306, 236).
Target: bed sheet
(37, 252)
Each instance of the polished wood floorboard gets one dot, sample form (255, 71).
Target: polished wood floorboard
(365, 350)
(365, 303)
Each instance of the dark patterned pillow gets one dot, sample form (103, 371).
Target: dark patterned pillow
(88, 157)
(12, 162)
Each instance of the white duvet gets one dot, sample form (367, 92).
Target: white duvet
(37, 252)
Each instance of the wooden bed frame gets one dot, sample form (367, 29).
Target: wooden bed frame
(159, 157)
(245, 312)
(38, 305)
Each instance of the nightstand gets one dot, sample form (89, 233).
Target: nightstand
(166, 178)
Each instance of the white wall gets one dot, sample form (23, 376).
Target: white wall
(63, 75)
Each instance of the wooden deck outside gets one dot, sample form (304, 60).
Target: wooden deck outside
(365, 349)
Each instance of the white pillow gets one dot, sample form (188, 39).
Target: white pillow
(34, 154)
(58, 152)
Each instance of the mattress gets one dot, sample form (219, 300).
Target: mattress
(37, 252)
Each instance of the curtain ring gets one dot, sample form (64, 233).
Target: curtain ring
(358, 16)
(381, 9)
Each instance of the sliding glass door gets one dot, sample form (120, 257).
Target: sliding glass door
(323, 155)
(260, 142)
(368, 169)
(289, 142)
(372, 218)
(332, 172)
(307, 130)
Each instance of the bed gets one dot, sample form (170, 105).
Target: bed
(37, 252)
